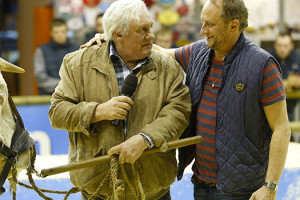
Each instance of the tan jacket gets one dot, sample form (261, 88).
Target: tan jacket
(161, 110)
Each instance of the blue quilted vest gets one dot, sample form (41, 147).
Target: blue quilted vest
(242, 132)
(54, 54)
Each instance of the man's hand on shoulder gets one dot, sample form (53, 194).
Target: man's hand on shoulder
(98, 38)
(264, 193)
(115, 108)
(130, 150)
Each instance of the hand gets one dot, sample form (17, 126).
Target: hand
(264, 193)
(98, 38)
(130, 150)
(115, 108)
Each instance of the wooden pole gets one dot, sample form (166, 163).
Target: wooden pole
(106, 158)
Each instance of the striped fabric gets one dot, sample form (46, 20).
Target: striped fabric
(272, 91)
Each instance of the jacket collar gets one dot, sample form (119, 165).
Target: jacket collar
(236, 50)
(102, 62)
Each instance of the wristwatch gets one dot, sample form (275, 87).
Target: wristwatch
(271, 186)
(148, 143)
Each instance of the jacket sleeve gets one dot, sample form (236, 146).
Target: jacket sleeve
(174, 117)
(67, 111)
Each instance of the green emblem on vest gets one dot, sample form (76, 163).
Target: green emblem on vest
(239, 87)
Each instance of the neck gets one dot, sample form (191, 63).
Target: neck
(221, 53)
(126, 59)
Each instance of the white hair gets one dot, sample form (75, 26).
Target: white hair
(120, 14)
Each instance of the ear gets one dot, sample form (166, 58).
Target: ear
(117, 35)
(234, 25)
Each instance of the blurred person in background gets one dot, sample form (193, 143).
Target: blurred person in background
(164, 38)
(289, 60)
(97, 29)
(48, 57)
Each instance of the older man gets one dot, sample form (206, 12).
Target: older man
(87, 100)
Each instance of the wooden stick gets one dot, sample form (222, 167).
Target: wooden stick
(106, 158)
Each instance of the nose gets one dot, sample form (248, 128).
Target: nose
(203, 30)
(150, 35)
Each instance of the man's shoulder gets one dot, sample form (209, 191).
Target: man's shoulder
(162, 58)
(164, 62)
(81, 56)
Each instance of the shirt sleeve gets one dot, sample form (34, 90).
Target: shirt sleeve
(272, 90)
(182, 55)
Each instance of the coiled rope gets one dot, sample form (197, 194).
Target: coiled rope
(116, 186)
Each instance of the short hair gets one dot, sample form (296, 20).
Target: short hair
(58, 22)
(120, 14)
(284, 34)
(234, 9)
(99, 15)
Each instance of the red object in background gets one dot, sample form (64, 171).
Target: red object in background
(91, 3)
(149, 3)
(183, 9)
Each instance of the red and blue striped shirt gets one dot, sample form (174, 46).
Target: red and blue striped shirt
(272, 91)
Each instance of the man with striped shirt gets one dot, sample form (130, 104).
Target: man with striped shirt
(221, 67)
(238, 107)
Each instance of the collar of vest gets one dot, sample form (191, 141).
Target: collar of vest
(236, 50)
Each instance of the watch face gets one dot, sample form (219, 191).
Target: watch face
(272, 186)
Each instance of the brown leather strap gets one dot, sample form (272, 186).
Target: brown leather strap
(15, 111)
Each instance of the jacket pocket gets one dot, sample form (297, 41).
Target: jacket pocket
(252, 149)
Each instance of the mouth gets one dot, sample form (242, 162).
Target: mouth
(207, 38)
(148, 45)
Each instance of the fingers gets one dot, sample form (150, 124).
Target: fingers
(114, 150)
(124, 99)
(99, 38)
(88, 44)
(122, 102)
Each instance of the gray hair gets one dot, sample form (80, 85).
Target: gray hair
(120, 14)
(234, 9)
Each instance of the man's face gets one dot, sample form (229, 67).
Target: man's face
(137, 43)
(59, 34)
(214, 28)
(99, 26)
(164, 39)
(283, 46)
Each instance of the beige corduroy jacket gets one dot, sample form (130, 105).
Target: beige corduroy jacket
(161, 110)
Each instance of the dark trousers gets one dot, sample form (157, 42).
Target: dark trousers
(204, 191)
(167, 196)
